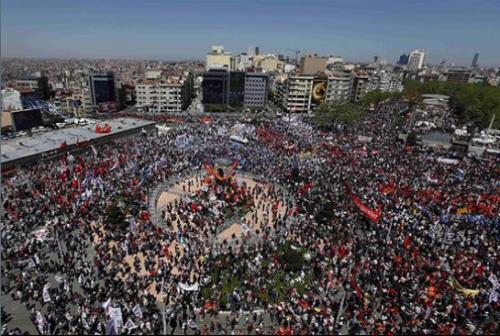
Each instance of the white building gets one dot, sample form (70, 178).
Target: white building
(339, 86)
(416, 60)
(172, 94)
(293, 92)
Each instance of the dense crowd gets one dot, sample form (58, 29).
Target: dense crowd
(396, 239)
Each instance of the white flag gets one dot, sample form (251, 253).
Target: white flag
(130, 325)
(137, 311)
(45, 293)
(189, 288)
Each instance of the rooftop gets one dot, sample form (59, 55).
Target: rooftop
(26, 146)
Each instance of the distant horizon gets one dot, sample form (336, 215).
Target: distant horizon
(356, 30)
(201, 60)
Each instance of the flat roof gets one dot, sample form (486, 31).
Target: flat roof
(26, 146)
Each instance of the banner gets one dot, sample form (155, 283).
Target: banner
(137, 311)
(189, 288)
(116, 315)
(373, 215)
(45, 293)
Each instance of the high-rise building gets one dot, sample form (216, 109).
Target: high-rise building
(235, 88)
(217, 58)
(416, 60)
(474, 60)
(312, 64)
(102, 88)
(253, 51)
(256, 87)
(375, 59)
(215, 87)
(403, 59)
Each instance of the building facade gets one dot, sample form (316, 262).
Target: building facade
(172, 94)
(256, 87)
(215, 87)
(102, 88)
(217, 58)
(312, 64)
(339, 86)
(235, 88)
(416, 60)
(293, 93)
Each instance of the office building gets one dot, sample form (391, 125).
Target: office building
(403, 59)
(102, 88)
(215, 87)
(235, 88)
(416, 60)
(171, 94)
(474, 60)
(312, 64)
(256, 88)
(339, 86)
(253, 51)
(217, 58)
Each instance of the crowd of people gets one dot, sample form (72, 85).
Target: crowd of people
(395, 239)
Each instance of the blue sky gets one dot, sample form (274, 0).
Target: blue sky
(172, 30)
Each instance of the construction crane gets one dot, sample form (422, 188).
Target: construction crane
(297, 52)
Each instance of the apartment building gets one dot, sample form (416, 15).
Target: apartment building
(339, 86)
(166, 94)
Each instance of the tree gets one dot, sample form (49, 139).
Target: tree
(375, 97)
(327, 115)
(471, 103)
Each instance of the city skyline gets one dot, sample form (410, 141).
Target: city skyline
(355, 30)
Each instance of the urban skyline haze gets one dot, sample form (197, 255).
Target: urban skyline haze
(178, 30)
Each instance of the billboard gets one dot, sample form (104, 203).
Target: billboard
(318, 92)
(26, 119)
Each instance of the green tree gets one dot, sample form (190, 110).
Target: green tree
(375, 97)
(327, 115)
(471, 103)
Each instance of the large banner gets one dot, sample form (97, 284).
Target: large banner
(373, 215)
(318, 93)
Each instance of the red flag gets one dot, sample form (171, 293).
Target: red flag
(387, 188)
(373, 215)
(407, 242)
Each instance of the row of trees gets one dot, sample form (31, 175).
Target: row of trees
(328, 115)
(471, 103)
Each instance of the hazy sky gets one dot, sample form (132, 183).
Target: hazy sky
(172, 30)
